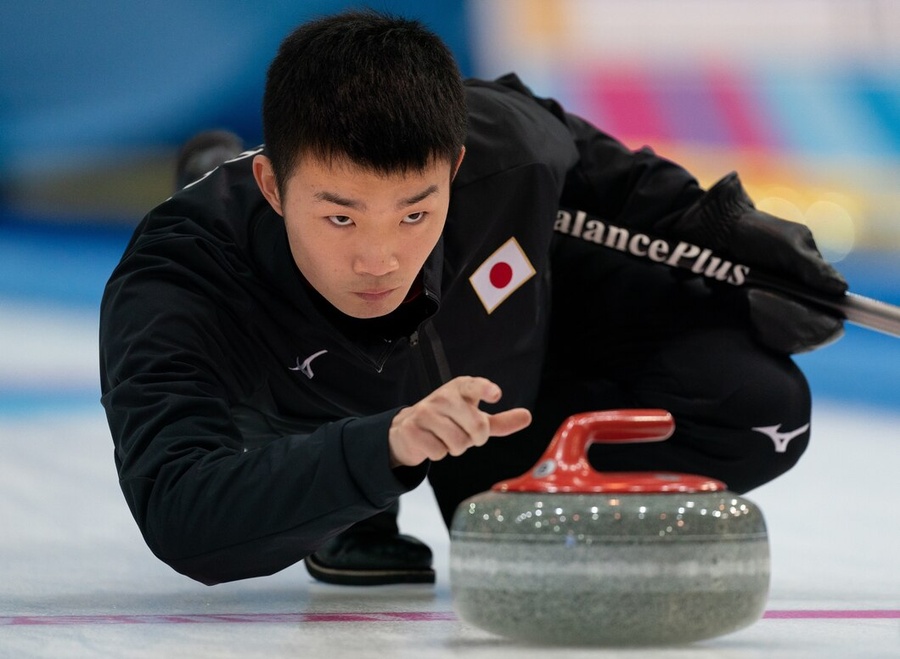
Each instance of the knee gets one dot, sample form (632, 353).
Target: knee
(769, 422)
(745, 424)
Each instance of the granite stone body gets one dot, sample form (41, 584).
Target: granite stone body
(609, 569)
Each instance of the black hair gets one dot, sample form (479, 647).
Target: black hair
(381, 91)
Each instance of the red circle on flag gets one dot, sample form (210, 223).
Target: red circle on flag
(501, 274)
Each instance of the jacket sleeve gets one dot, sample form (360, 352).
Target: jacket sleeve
(641, 191)
(206, 506)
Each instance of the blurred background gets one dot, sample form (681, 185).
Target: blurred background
(802, 97)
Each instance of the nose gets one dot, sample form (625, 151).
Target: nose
(376, 260)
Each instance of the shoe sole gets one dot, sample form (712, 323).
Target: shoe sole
(366, 577)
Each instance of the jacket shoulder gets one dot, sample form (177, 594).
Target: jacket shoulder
(218, 209)
(509, 127)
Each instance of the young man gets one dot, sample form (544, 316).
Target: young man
(309, 331)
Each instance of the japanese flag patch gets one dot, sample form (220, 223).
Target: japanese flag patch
(501, 274)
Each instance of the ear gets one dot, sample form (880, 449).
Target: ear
(462, 154)
(265, 179)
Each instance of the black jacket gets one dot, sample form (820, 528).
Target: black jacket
(234, 461)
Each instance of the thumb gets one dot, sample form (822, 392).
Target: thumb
(510, 421)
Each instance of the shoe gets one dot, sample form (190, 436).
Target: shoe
(363, 557)
(204, 152)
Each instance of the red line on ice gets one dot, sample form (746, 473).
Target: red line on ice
(826, 614)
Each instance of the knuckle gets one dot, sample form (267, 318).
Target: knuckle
(436, 452)
(483, 427)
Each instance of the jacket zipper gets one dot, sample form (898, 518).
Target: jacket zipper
(432, 368)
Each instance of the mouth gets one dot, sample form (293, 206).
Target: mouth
(375, 295)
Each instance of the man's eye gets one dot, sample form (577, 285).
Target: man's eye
(340, 220)
(414, 218)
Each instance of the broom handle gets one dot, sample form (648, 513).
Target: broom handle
(857, 309)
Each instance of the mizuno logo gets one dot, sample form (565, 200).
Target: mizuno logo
(306, 366)
(781, 439)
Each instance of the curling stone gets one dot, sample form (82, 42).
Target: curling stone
(566, 555)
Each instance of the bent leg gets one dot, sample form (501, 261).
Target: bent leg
(644, 338)
(741, 413)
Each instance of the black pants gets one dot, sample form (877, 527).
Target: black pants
(631, 335)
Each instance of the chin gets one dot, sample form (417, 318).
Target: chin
(367, 311)
(363, 315)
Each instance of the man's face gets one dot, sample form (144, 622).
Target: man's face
(360, 238)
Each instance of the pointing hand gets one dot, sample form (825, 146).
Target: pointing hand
(448, 421)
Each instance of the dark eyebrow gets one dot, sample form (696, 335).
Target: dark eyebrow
(333, 198)
(339, 200)
(416, 198)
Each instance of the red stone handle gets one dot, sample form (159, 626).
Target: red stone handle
(570, 444)
(564, 467)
